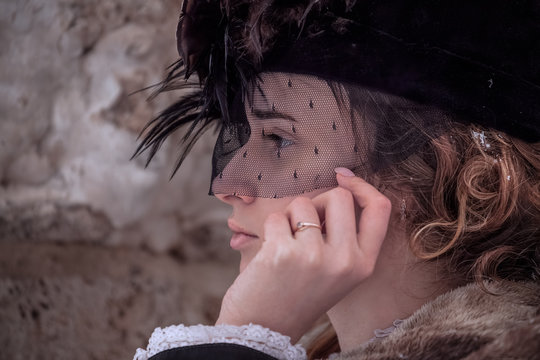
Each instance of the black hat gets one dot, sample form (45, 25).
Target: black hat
(478, 60)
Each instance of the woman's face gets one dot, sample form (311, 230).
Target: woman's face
(298, 136)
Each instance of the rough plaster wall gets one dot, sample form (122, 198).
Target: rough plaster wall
(96, 250)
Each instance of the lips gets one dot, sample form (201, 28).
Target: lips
(241, 237)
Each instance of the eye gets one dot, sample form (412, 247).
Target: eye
(280, 141)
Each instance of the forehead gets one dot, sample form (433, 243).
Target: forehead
(294, 94)
(280, 81)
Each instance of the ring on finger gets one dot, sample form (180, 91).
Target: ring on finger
(302, 225)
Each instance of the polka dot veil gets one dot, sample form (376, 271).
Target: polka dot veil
(296, 89)
(292, 130)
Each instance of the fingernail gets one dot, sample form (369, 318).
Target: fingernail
(344, 171)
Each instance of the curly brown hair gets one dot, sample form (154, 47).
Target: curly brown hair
(478, 208)
(473, 205)
(472, 193)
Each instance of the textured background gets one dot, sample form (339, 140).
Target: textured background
(95, 250)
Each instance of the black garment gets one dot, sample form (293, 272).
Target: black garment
(465, 323)
(220, 351)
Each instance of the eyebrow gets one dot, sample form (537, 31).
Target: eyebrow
(262, 114)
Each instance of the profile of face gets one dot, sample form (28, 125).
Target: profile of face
(299, 134)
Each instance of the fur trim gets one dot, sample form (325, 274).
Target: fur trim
(466, 323)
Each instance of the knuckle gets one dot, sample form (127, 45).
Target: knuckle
(272, 219)
(283, 254)
(383, 203)
(343, 265)
(314, 259)
(300, 202)
(365, 270)
(345, 268)
(271, 222)
(341, 194)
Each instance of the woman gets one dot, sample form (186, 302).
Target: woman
(382, 162)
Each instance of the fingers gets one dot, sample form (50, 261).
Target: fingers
(302, 209)
(277, 227)
(375, 216)
(337, 207)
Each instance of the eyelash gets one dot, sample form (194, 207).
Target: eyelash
(280, 141)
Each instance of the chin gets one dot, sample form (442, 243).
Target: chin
(243, 265)
(244, 262)
(248, 253)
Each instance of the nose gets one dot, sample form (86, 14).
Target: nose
(235, 199)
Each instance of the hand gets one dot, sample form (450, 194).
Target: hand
(297, 277)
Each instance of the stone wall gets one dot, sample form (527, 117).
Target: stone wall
(96, 250)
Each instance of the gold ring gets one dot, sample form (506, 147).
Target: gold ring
(300, 226)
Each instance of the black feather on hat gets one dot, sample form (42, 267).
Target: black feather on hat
(478, 60)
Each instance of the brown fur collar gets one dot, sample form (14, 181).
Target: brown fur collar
(466, 323)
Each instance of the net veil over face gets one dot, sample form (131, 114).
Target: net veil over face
(298, 134)
(291, 131)
(298, 88)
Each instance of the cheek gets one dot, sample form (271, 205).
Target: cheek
(301, 168)
(269, 206)
(258, 212)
